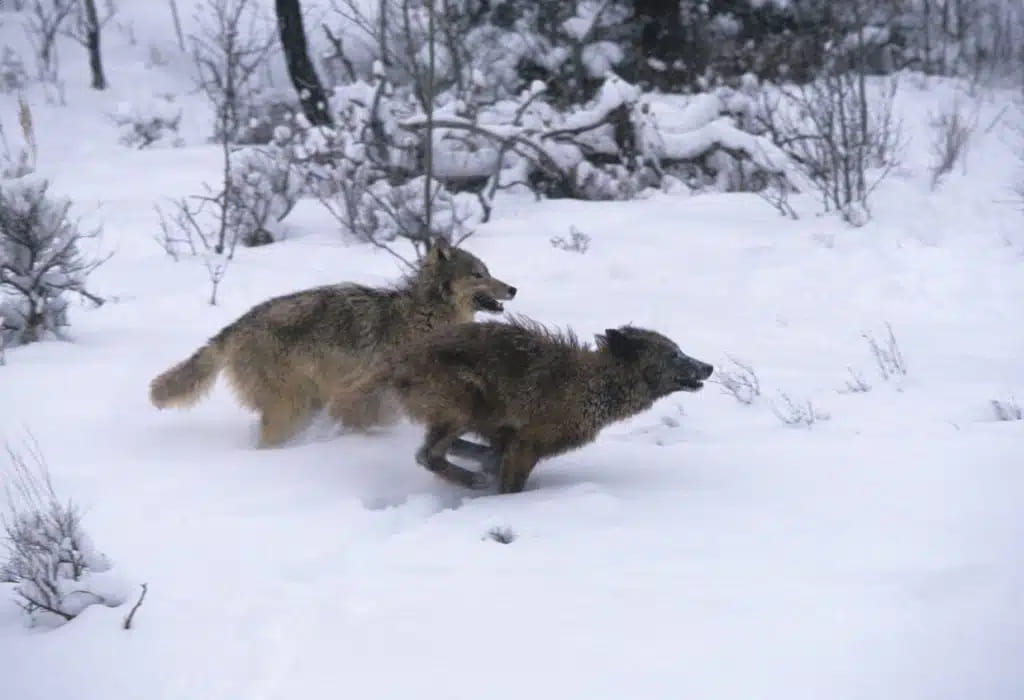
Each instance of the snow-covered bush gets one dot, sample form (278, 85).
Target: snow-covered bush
(367, 166)
(265, 185)
(888, 356)
(1007, 409)
(364, 170)
(259, 186)
(794, 414)
(578, 242)
(381, 213)
(260, 116)
(741, 383)
(13, 74)
(41, 261)
(150, 122)
(855, 384)
(613, 147)
(55, 570)
(365, 143)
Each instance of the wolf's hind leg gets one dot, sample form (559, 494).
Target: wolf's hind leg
(285, 417)
(487, 456)
(432, 456)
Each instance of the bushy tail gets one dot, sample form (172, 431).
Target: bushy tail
(187, 382)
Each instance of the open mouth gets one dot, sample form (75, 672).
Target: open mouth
(485, 302)
(686, 384)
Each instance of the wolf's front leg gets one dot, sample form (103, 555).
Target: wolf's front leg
(517, 462)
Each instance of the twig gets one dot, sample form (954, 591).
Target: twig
(131, 613)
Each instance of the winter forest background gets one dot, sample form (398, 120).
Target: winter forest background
(338, 100)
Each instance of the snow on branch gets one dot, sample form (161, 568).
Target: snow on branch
(55, 569)
(42, 261)
(723, 134)
(617, 129)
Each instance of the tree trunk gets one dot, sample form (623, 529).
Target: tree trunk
(177, 24)
(662, 37)
(92, 43)
(428, 157)
(312, 96)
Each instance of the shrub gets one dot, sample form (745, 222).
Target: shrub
(50, 559)
(149, 123)
(40, 261)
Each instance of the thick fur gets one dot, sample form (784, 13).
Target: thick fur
(531, 392)
(284, 356)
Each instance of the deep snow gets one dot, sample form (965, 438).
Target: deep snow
(701, 550)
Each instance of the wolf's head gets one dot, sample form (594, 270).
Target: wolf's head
(663, 367)
(466, 279)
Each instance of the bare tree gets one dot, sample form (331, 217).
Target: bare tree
(401, 33)
(230, 46)
(847, 139)
(176, 17)
(428, 151)
(189, 227)
(88, 34)
(203, 223)
(257, 186)
(45, 23)
(379, 213)
(303, 75)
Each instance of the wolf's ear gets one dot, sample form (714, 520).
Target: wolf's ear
(440, 249)
(621, 345)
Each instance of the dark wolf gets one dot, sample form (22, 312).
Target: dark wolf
(530, 392)
(284, 356)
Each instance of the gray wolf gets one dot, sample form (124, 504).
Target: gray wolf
(284, 356)
(530, 392)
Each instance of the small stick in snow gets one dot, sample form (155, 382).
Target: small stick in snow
(131, 614)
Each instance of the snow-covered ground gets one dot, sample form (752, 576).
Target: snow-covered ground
(702, 550)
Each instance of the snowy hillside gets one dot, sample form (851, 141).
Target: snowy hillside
(854, 530)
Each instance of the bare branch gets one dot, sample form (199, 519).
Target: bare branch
(127, 624)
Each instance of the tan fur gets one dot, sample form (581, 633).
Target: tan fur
(187, 382)
(284, 356)
(532, 393)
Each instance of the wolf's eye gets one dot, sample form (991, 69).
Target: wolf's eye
(478, 275)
